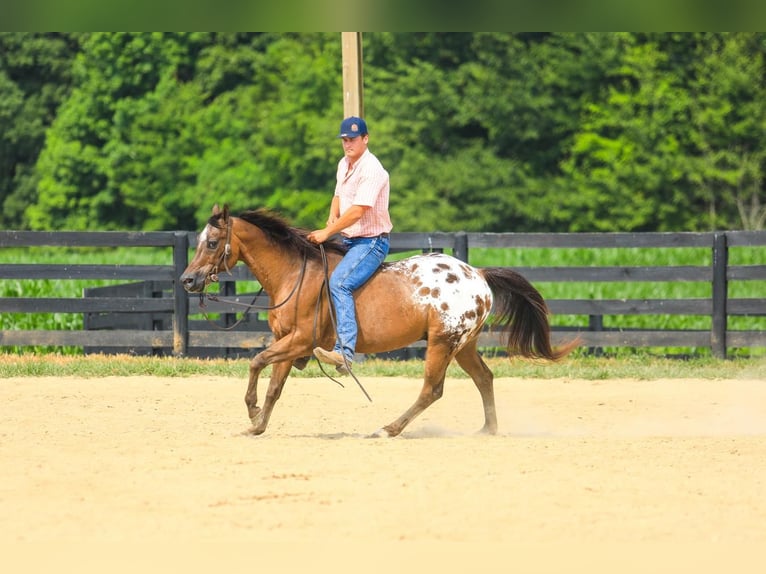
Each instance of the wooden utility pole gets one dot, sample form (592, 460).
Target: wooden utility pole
(353, 88)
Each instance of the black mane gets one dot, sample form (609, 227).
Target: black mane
(283, 234)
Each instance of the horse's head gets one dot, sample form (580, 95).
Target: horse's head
(214, 252)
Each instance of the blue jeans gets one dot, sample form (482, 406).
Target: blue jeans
(363, 258)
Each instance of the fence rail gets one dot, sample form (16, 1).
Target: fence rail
(154, 313)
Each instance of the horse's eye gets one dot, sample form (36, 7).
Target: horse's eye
(212, 244)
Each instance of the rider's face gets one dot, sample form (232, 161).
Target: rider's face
(354, 147)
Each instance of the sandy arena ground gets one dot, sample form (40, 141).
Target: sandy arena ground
(605, 464)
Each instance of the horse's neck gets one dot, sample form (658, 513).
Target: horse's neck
(267, 263)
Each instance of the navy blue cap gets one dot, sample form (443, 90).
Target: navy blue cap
(352, 127)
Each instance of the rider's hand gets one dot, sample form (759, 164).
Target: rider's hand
(318, 236)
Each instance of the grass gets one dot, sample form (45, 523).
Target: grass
(639, 366)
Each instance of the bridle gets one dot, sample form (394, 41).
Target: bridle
(213, 275)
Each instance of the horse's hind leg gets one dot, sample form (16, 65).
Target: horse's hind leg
(472, 363)
(437, 359)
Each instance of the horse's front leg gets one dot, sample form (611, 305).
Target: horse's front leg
(251, 395)
(257, 364)
(260, 416)
(280, 354)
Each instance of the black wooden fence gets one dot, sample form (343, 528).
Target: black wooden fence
(153, 314)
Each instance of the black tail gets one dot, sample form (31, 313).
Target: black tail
(522, 315)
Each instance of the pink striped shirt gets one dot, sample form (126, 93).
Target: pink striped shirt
(365, 184)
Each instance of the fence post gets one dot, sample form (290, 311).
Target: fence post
(720, 294)
(595, 323)
(180, 298)
(460, 247)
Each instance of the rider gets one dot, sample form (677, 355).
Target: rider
(359, 212)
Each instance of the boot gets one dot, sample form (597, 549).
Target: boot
(331, 358)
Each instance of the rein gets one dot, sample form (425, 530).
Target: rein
(213, 277)
(326, 287)
(250, 306)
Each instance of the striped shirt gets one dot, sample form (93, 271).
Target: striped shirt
(365, 184)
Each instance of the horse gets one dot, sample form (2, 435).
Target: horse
(432, 296)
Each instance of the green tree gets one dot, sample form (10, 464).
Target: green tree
(474, 143)
(675, 144)
(480, 131)
(35, 78)
(728, 140)
(626, 164)
(162, 126)
(82, 166)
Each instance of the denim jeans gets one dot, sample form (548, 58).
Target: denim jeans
(363, 258)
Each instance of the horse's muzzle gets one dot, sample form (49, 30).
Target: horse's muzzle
(193, 283)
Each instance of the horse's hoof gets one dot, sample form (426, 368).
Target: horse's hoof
(253, 431)
(380, 433)
(487, 430)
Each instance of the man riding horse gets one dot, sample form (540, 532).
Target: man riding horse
(359, 212)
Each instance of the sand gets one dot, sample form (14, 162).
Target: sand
(676, 464)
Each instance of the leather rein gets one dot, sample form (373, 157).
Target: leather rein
(213, 278)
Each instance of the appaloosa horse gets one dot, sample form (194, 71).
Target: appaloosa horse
(432, 297)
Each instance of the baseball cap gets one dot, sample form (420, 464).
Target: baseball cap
(352, 127)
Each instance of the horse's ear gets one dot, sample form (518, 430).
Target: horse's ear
(216, 211)
(225, 211)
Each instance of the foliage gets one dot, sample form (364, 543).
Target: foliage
(35, 78)
(481, 131)
(672, 148)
